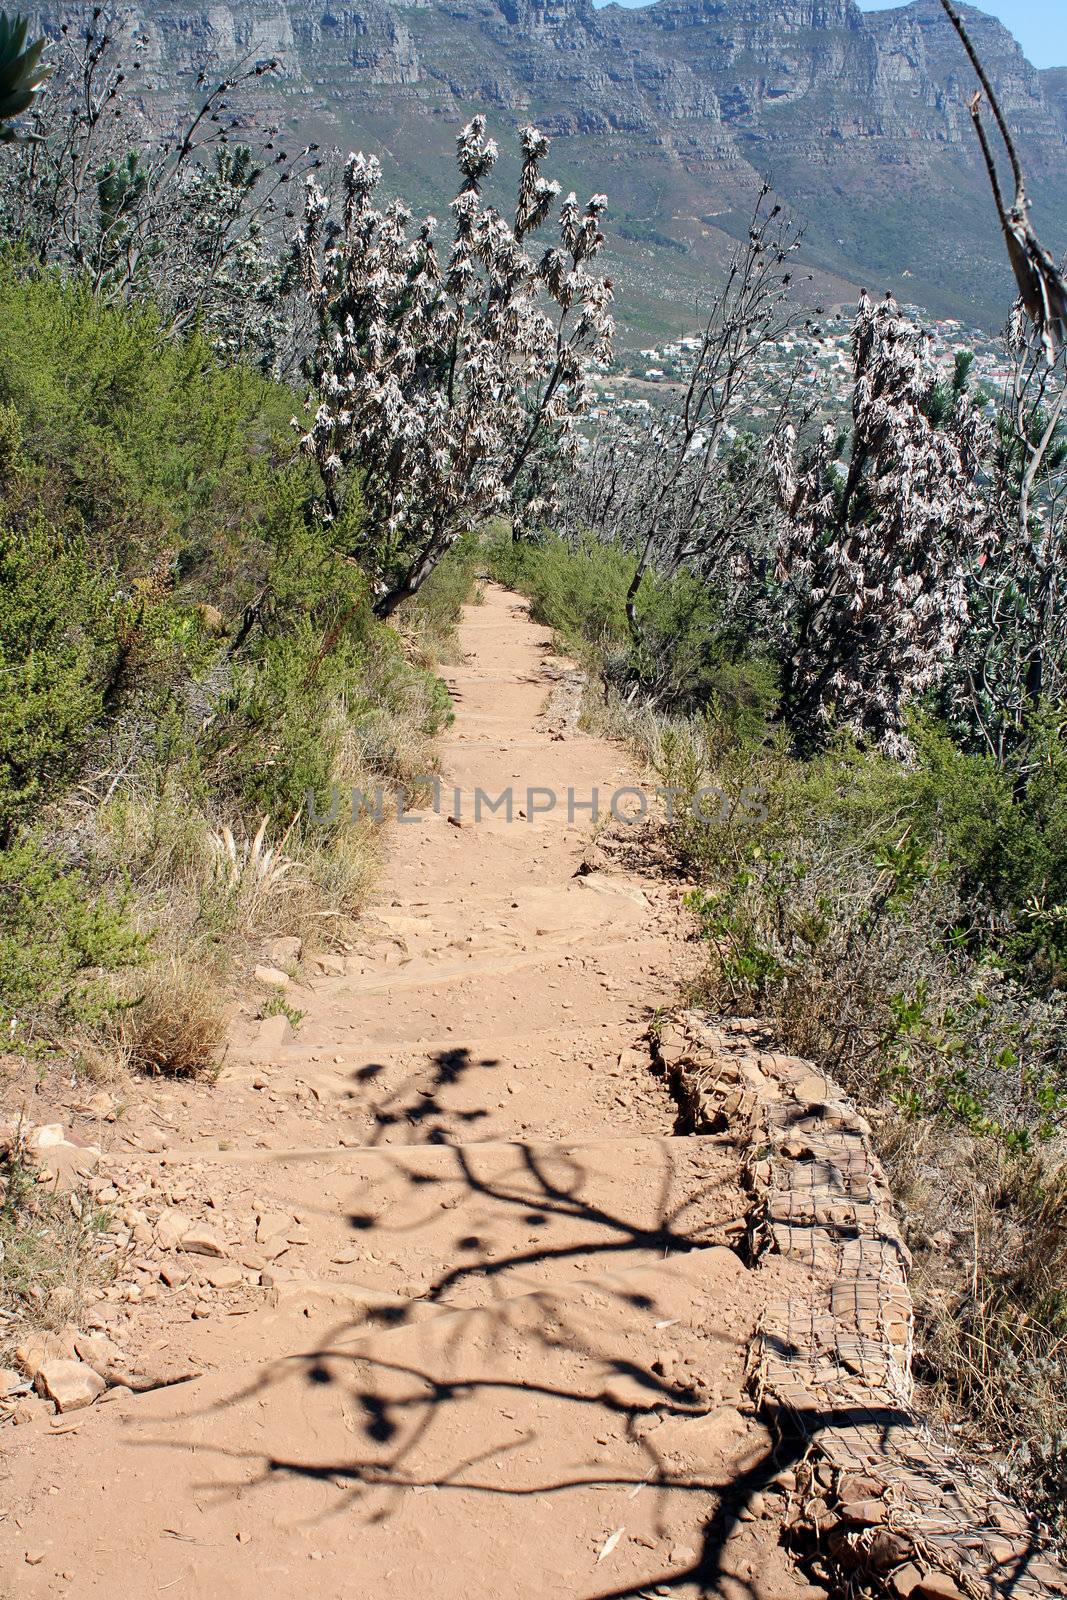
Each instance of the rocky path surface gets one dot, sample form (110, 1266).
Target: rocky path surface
(463, 1306)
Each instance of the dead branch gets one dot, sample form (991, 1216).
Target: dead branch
(1042, 287)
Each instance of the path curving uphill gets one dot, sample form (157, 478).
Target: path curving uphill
(464, 1308)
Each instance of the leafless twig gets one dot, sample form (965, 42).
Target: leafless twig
(1041, 283)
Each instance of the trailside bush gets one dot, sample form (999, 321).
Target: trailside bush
(690, 656)
(162, 454)
(179, 638)
(58, 928)
(62, 631)
(580, 591)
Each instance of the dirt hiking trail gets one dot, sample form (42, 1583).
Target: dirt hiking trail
(464, 1308)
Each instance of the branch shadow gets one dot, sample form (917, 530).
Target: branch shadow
(563, 1298)
(415, 1105)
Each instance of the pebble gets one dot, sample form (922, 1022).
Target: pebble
(202, 1241)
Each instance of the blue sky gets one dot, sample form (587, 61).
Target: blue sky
(1039, 25)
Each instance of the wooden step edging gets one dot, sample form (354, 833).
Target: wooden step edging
(890, 1508)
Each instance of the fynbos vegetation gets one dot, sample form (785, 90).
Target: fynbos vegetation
(251, 454)
(441, 384)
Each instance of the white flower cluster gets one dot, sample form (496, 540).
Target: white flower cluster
(441, 380)
(877, 550)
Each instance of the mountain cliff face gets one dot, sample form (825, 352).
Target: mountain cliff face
(677, 111)
(1054, 84)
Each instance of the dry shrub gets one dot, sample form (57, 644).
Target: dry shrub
(176, 1021)
(988, 1234)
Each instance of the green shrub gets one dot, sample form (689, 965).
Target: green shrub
(162, 454)
(61, 654)
(580, 592)
(58, 931)
(689, 656)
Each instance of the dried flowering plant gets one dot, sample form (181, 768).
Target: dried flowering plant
(1014, 656)
(187, 217)
(443, 379)
(877, 548)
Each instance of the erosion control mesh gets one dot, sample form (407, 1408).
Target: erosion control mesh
(882, 1498)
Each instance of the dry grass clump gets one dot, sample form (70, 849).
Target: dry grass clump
(174, 1023)
(47, 1262)
(988, 1235)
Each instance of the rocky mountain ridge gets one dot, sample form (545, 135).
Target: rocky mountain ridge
(676, 110)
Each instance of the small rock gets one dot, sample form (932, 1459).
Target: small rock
(171, 1228)
(34, 1558)
(936, 1586)
(271, 1277)
(273, 1034)
(40, 1348)
(102, 1105)
(886, 1550)
(222, 1276)
(71, 1385)
(97, 1351)
(62, 1163)
(46, 1136)
(866, 1512)
(10, 1380)
(330, 962)
(271, 1227)
(203, 1241)
(272, 977)
(286, 952)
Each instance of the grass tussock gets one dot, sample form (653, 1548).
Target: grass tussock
(174, 1023)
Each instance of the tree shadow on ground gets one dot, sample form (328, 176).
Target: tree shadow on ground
(416, 1104)
(526, 1332)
